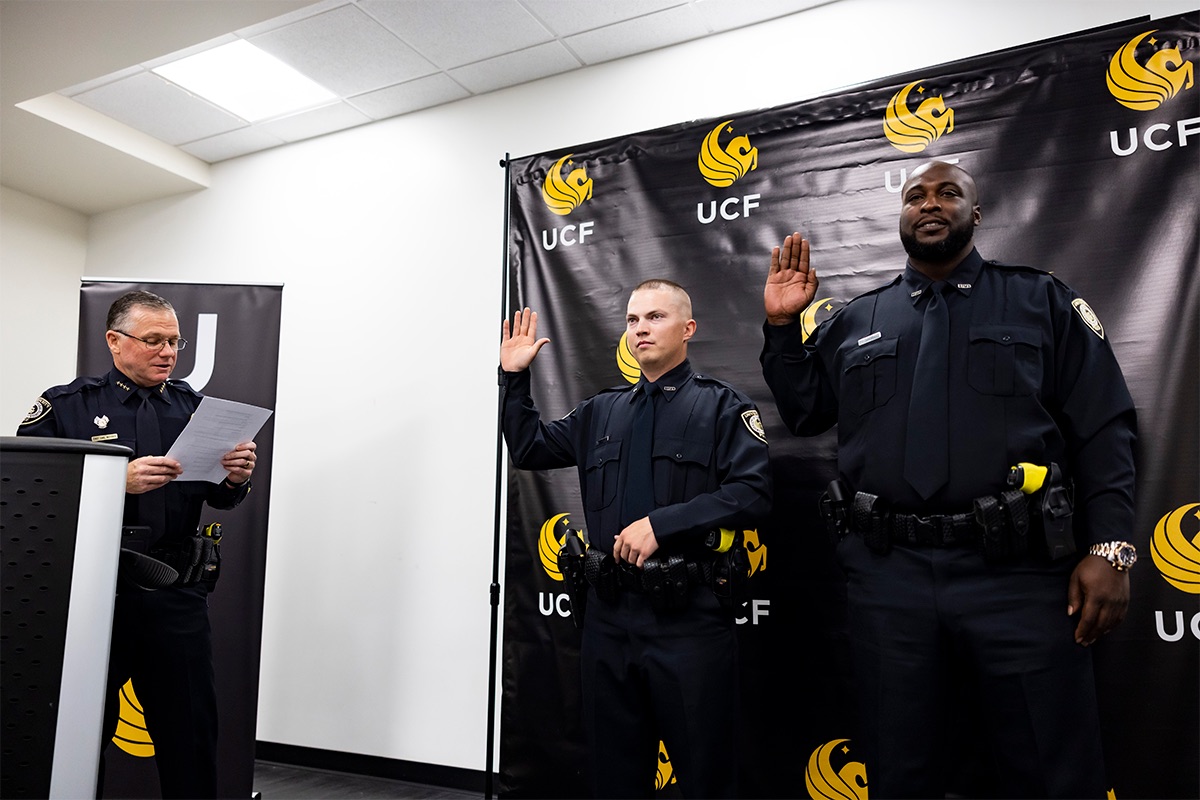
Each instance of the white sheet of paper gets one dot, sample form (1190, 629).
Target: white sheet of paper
(216, 427)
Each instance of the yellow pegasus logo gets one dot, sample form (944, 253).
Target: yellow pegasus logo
(913, 131)
(666, 773)
(132, 735)
(824, 783)
(564, 195)
(722, 167)
(626, 363)
(1144, 88)
(550, 540)
(1175, 553)
(756, 550)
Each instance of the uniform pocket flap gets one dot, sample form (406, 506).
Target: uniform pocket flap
(1006, 335)
(676, 449)
(856, 355)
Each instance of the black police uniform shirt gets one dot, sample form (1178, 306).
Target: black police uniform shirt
(1032, 378)
(105, 409)
(709, 455)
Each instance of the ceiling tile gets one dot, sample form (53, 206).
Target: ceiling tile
(566, 18)
(305, 125)
(509, 70)
(725, 15)
(231, 145)
(639, 35)
(159, 108)
(451, 33)
(421, 93)
(383, 57)
(96, 83)
(346, 51)
(304, 12)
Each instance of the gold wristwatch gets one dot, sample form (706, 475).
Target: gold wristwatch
(1122, 555)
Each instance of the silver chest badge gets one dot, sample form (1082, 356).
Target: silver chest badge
(101, 422)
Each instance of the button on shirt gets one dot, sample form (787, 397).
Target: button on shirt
(710, 469)
(1029, 380)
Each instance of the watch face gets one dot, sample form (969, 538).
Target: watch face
(1125, 556)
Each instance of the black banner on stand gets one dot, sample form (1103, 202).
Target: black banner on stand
(1085, 152)
(233, 353)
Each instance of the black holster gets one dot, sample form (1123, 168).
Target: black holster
(197, 558)
(1056, 511)
(834, 505)
(571, 558)
(731, 576)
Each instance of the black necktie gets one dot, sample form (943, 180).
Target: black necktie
(149, 443)
(639, 477)
(926, 453)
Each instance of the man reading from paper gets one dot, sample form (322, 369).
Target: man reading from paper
(161, 639)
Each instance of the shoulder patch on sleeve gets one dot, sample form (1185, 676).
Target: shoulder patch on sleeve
(39, 409)
(754, 424)
(1088, 316)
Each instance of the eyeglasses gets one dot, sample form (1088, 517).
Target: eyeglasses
(176, 344)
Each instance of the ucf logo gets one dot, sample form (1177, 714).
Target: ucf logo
(1144, 88)
(823, 309)
(1176, 553)
(825, 782)
(666, 773)
(913, 131)
(722, 167)
(131, 735)
(562, 196)
(550, 540)
(626, 363)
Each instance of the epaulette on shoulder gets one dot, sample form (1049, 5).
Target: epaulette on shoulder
(182, 386)
(703, 378)
(873, 292)
(1016, 268)
(74, 387)
(627, 387)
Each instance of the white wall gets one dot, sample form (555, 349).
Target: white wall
(42, 253)
(388, 239)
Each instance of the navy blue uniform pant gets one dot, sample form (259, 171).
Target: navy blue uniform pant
(916, 614)
(650, 676)
(162, 640)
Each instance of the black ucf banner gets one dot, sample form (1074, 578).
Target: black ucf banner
(232, 353)
(1085, 151)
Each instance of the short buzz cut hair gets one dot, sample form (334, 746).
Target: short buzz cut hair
(123, 306)
(663, 283)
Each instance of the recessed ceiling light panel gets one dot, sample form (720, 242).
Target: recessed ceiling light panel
(246, 81)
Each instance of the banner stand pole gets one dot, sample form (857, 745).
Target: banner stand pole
(494, 589)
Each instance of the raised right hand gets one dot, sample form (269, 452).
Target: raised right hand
(519, 345)
(791, 283)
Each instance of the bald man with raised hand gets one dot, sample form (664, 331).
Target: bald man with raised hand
(940, 382)
(663, 464)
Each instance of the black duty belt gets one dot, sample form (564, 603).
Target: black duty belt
(999, 526)
(667, 580)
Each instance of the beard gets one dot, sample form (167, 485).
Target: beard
(958, 237)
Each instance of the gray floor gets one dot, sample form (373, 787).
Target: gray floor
(287, 782)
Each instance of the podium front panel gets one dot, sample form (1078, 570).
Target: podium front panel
(61, 504)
